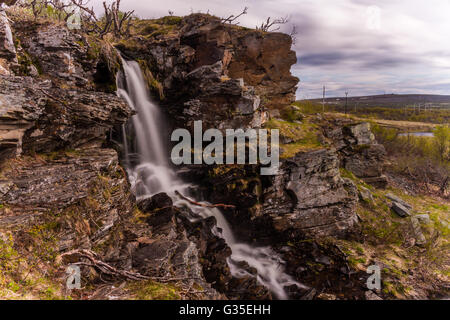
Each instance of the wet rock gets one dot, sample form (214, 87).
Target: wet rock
(310, 295)
(158, 201)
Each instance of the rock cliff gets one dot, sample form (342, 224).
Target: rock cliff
(63, 188)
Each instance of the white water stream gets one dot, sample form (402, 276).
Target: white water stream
(153, 175)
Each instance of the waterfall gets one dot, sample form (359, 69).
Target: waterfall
(152, 174)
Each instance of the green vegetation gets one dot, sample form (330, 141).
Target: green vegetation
(441, 142)
(150, 290)
(298, 136)
(311, 107)
(435, 115)
(426, 160)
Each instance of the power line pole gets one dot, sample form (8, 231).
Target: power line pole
(323, 100)
(346, 101)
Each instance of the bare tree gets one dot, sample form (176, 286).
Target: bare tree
(231, 19)
(272, 25)
(114, 20)
(37, 6)
(294, 34)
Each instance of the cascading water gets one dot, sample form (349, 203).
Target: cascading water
(151, 174)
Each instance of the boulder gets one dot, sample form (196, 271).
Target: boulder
(322, 203)
(365, 195)
(358, 150)
(396, 199)
(417, 231)
(401, 210)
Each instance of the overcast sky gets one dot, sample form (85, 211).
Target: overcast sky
(363, 46)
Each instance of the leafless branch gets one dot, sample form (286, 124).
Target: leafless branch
(231, 19)
(272, 25)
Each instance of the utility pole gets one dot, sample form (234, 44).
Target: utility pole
(323, 100)
(346, 101)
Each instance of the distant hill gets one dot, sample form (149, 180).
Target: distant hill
(390, 100)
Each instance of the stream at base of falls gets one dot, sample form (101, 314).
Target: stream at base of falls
(153, 175)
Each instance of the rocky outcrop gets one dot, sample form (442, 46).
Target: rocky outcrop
(311, 198)
(358, 149)
(181, 245)
(202, 69)
(307, 198)
(67, 57)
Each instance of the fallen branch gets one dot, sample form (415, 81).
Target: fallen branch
(103, 267)
(224, 206)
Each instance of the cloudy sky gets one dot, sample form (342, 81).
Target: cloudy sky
(363, 46)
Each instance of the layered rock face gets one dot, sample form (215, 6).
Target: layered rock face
(62, 111)
(58, 177)
(224, 75)
(40, 117)
(310, 198)
(359, 151)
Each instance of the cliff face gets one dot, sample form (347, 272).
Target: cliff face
(225, 75)
(62, 188)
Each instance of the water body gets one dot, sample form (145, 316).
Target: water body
(152, 174)
(418, 134)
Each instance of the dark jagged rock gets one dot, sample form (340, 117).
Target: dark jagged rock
(310, 197)
(158, 201)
